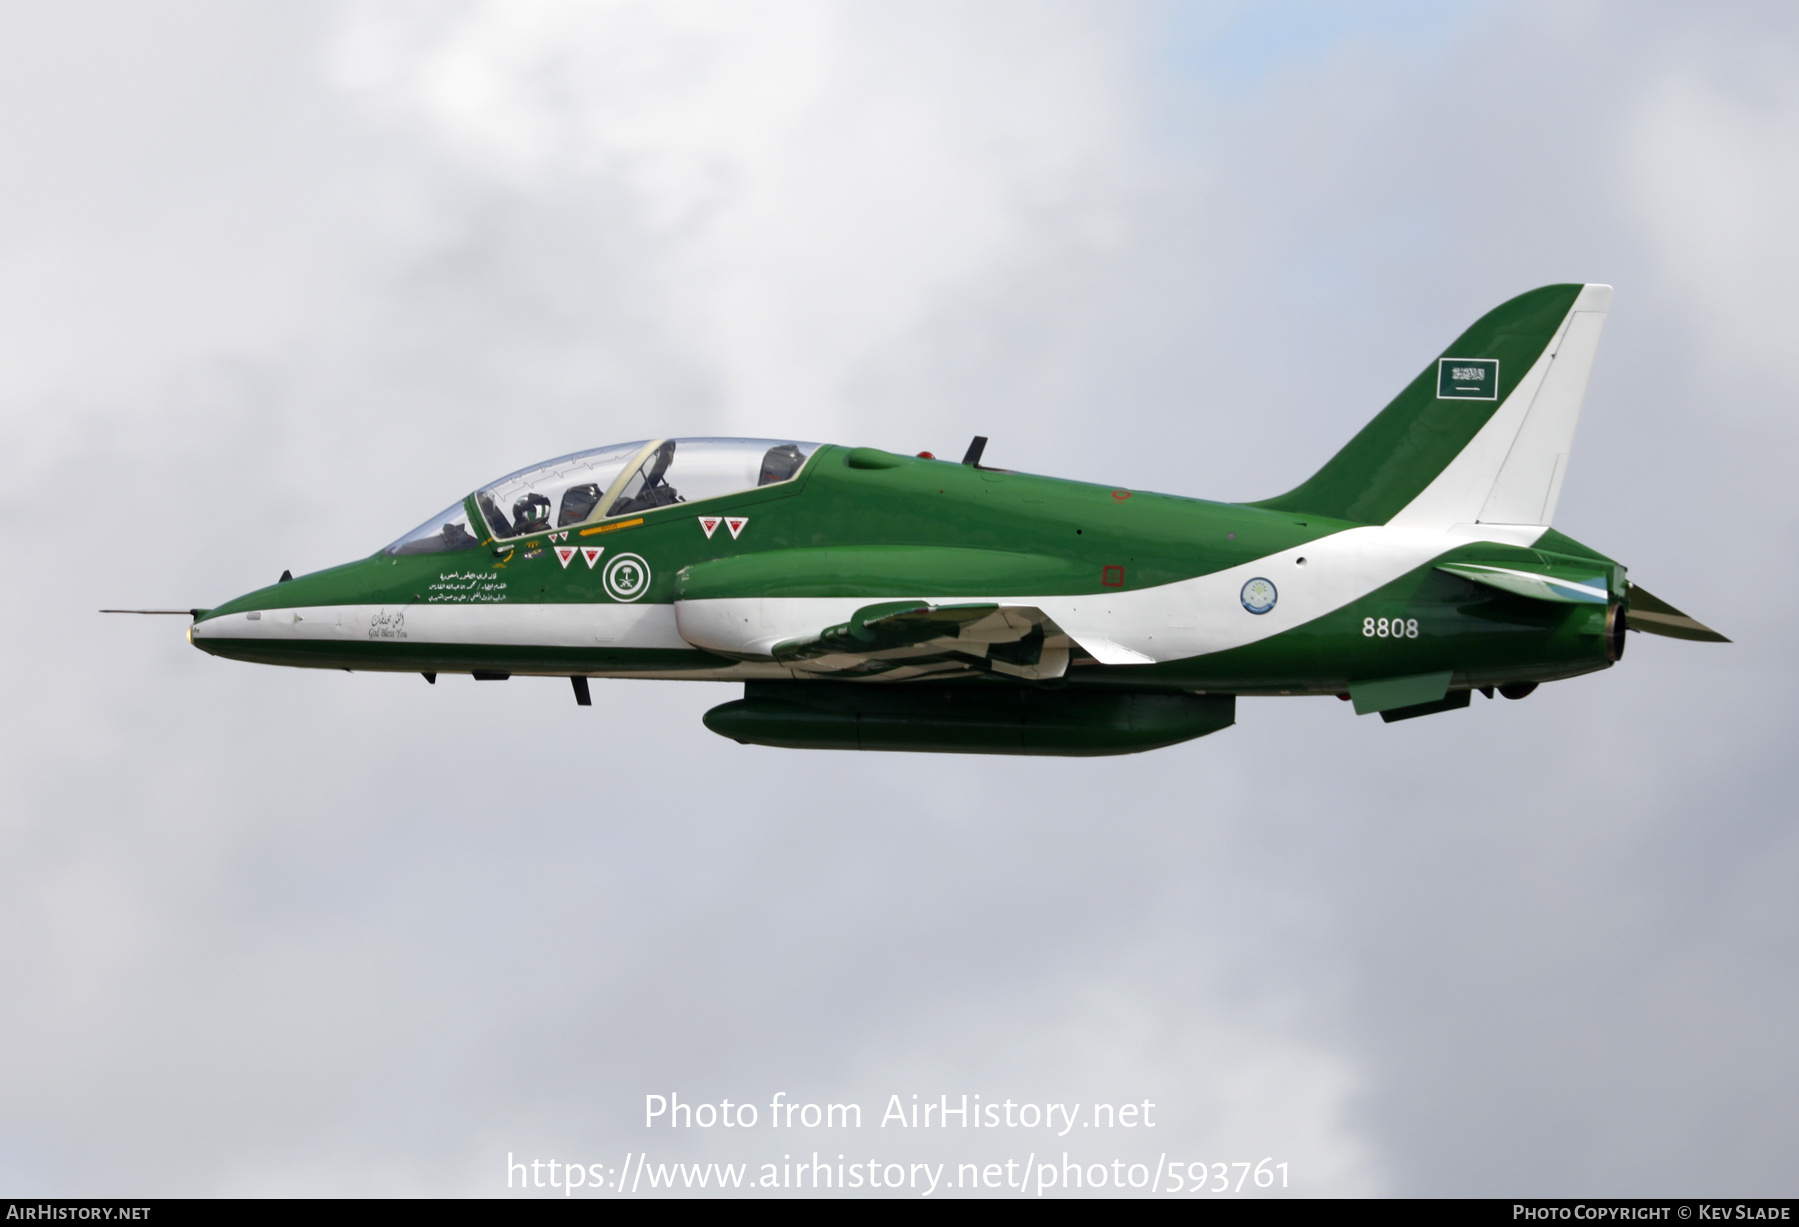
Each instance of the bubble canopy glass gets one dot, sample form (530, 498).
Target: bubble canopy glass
(623, 479)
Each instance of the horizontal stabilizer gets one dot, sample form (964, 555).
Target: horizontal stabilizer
(1566, 585)
(1657, 617)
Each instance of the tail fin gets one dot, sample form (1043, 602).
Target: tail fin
(1483, 434)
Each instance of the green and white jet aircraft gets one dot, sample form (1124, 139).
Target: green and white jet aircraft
(875, 601)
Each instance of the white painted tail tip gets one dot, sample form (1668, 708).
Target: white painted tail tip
(1594, 298)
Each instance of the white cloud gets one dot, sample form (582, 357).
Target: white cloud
(815, 184)
(1715, 155)
(298, 932)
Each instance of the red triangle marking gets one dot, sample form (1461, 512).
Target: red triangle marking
(564, 553)
(709, 524)
(736, 524)
(592, 554)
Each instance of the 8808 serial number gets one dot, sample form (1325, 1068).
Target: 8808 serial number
(1390, 628)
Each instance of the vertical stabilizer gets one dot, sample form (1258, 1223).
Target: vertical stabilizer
(1483, 434)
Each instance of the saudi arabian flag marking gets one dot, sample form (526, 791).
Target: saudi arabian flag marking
(1467, 379)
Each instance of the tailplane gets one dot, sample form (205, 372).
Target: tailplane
(1483, 434)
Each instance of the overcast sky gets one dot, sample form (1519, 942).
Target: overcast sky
(278, 281)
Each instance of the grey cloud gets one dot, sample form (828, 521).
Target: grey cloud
(274, 932)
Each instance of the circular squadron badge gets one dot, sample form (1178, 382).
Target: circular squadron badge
(627, 577)
(1259, 596)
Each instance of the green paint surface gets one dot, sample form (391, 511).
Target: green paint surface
(1396, 455)
(1383, 694)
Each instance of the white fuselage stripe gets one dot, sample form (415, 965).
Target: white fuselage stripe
(1192, 617)
(510, 624)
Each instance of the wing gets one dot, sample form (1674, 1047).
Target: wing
(904, 639)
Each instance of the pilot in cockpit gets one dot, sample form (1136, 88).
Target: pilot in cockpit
(530, 513)
(604, 483)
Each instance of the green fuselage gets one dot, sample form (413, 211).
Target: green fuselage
(868, 526)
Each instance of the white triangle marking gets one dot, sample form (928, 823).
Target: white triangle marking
(564, 553)
(709, 524)
(592, 554)
(736, 524)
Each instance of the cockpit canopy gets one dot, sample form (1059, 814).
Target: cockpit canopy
(620, 480)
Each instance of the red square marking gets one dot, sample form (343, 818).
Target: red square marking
(1112, 577)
